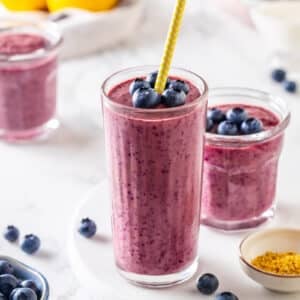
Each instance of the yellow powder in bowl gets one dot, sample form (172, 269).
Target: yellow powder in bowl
(287, 263)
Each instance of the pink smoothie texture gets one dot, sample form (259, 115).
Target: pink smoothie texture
(27, 87)
(240, 182)
(156, 176)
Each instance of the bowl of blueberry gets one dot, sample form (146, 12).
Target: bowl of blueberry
(21, 282)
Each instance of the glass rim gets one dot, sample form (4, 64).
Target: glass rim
(244, 140)
(204, 93)
(13, 24)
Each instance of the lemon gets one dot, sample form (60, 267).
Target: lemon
(24, 4)
(92, 5)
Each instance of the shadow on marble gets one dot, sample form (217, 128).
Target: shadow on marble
(101, 239)
(46, 254)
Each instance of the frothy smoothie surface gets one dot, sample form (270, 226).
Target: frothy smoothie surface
(12, 44)
(155, 169)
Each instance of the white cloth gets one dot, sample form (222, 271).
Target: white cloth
(85, 32)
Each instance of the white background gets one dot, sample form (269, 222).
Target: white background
(42, 184)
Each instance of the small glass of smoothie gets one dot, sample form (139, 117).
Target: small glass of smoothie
(243, 145)
(28, 71)
(155, 158)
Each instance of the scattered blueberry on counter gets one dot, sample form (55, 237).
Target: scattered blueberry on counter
(278, 75)
(88, 228)
(290, 86)
(208, 284)
(226, 296)
(30, 244)
(234, 122)
(11, 233)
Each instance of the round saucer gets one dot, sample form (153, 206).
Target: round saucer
(92, 259)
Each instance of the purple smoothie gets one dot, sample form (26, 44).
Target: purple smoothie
(155, 169)
(27, 87)
(240, 181)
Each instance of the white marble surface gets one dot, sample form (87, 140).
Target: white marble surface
(41, 184)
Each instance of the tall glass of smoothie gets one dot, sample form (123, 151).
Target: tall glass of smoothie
(28, 71)
(155, 159)
(240, 168)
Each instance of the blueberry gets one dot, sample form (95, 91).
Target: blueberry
(138, 84)
(151, 78)
(208, 284)
(8, 282)
(290, 86)
(6, 267)
(237, 115)
(179, 85)
(30, 244)
(172, 98)
(251, 126)
(23, 294)
(226, 296)
(228, 128)
(11, 233)
(278, 75)
(209, 124)
(146, 98)
(31, 285)
(216, 115)
(88, 228)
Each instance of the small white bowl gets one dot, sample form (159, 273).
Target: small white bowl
(275, 240)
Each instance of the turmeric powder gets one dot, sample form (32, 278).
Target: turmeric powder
(287, 263)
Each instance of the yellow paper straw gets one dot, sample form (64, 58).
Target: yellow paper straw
(169, 50)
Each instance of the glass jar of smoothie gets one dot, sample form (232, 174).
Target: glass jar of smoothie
(240, 172)
(155, 159)
(28, 71)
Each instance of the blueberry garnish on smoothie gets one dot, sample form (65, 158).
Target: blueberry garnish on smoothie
(237, 115)
(146, 98)
(179, 85)
(152, 77)
(251, 126)
(138, 83)
(228, 128)
(232, 121)
(144, 94)
(173, 98)
(216, 115)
